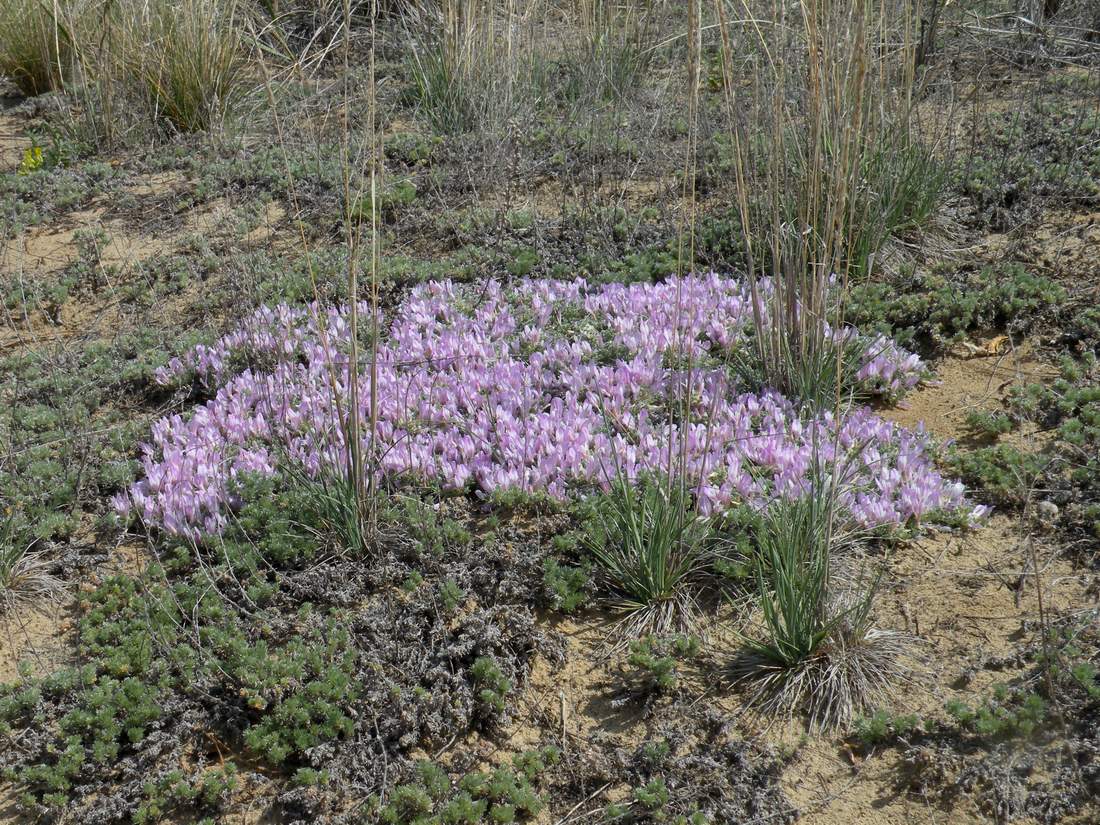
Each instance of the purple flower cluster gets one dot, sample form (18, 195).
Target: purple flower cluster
(548, 385)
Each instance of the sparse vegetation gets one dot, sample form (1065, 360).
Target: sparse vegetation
(485, 411)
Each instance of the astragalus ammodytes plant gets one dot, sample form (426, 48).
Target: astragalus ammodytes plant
(535, 387)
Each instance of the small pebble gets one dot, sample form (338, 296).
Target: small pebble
(1048, 510)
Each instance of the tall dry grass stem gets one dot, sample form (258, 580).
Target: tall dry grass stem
(826, 168)
(819, 187)
(354, 489)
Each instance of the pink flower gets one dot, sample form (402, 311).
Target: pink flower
(553, 385)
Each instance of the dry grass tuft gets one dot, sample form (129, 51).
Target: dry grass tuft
(855, 668)
(186, 60)
(651, 548)
(25, 577)
(35, 44)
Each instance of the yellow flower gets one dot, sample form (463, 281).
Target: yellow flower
(32, 160)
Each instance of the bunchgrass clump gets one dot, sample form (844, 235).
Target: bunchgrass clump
(25, 576)
(829, 169)
(471, 68)
(186, 61)
(650, 547)
(338, 512)
(818, 651)
(35, 44)
(613, 50)
(443, 90)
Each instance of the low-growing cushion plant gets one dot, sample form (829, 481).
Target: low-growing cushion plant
(504, 795)
(655, 665)
(273, 640)
(933, 310)
(538, 389)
